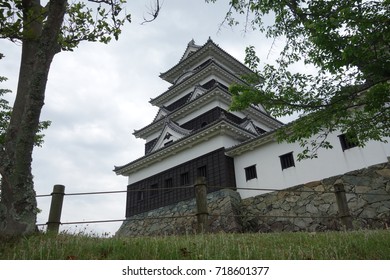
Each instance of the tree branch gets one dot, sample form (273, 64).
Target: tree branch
(154, 11)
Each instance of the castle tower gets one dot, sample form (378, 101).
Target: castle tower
(191, 130)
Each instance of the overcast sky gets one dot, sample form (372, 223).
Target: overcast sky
(97, 95)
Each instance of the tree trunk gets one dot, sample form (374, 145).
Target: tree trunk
(18, 206)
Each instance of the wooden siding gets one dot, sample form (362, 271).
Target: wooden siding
(152, 192)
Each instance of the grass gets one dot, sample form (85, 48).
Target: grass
(285, 246)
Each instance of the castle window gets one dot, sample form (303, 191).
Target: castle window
(202, 171)
(250, 172)
(140, 195)
(287, 160)
(184, 179)
(347, 142)
(168, 184)
(154, 190)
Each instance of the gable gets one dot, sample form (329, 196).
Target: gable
(191, 49)
(170, 133)
(249, 125)
(162, 112)
(198, 91)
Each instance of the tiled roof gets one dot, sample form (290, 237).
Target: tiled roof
(179, 143)
(211, 64)
(194, 56)
(208, 94)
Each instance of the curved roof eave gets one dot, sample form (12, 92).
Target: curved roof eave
(222, 125)
(178, 112)
(191, 80)
(250, 144)
(218, 92)
(171, 74)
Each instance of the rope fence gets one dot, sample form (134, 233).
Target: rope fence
(200, 186)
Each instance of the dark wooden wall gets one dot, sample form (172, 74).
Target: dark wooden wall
(172, 185)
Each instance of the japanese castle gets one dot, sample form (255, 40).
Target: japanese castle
(194, 134)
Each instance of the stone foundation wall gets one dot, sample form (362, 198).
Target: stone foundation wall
(309, 207)
(313, 206)
(180, 218)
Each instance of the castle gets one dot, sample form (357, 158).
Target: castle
(194, 134)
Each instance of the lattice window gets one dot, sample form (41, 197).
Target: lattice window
(202, 171)
(184, 179)
(250, 172)
(287, 160)
(168, 185)
(347, 142)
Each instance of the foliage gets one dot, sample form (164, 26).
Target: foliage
(93, 21)
(365, 245)
(347, 42)
(5, 111)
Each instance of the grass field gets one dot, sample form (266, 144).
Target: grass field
(364, 245)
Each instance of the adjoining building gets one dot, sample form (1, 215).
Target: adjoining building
(194, 134)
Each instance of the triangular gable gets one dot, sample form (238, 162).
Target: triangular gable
(248, 125)
(162, 112)
(198, 91)
(170, 133)
(191, 48)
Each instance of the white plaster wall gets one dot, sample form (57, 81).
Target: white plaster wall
(152, 136)
(329, 163)
(195, 151)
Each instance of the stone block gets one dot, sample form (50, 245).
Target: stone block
(301, 223)
(313, 184)
(292, 199)
(328, 197)
(319, 188)
(368, 213)
(356, 204)
(362, 189)
(375, 196)
(310, 208)
(285, 206)
(356, 180)
(384, 172)
(324, 207)
(330, 181)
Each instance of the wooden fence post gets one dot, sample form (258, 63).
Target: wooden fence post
(201, 205)
(57, 198)
(342, 204)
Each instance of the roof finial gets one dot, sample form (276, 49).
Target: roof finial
(192, 42)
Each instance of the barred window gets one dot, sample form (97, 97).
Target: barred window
(250, 172)
(168, 184)
(347, 142)
(184, 179)
(140, 195)
(287, 160)
(202, 171)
